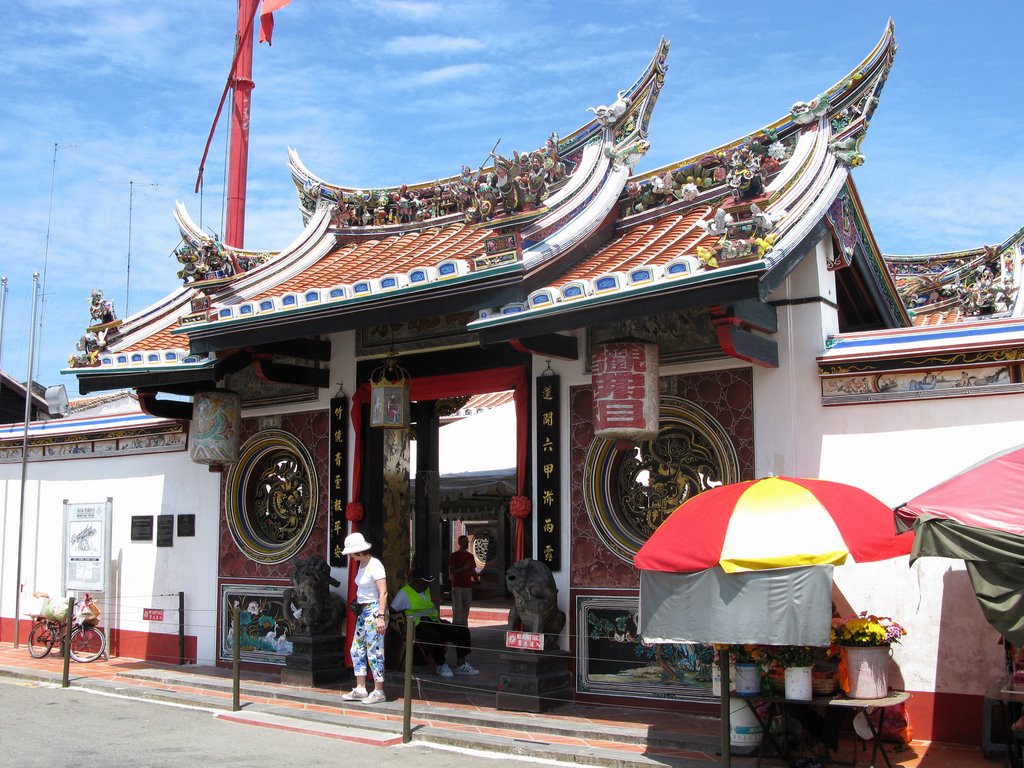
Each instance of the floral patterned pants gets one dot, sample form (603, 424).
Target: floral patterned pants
(368, 644)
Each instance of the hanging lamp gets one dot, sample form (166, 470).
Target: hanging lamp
(389, 395)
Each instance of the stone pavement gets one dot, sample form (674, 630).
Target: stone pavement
(456, 712)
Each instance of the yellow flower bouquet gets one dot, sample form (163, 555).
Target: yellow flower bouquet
(866, 630)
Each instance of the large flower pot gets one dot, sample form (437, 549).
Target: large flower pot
(798, 683)
(868, 671)
(748, 679)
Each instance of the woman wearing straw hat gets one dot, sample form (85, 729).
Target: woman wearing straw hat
(369, 606)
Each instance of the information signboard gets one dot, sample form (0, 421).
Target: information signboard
(86, 546)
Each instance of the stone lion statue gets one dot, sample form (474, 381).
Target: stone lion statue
(535, 606)
(316, 609)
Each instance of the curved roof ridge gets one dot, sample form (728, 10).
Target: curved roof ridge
(627, 119)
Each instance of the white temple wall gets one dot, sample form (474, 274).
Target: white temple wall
(894, 451)
(141, 574)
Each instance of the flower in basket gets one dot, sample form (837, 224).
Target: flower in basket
(792, 655)
(866, 630)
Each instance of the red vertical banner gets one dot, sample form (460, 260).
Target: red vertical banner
(549, 472)
(338, 481)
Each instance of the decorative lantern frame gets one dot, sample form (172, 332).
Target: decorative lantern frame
(390, 405)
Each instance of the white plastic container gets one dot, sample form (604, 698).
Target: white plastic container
(799, 685)
(748, 679)
(744, 730)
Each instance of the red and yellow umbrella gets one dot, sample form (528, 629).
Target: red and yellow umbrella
(775, 522)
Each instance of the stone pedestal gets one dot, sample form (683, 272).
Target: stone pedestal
(316, 661)
(534, 681)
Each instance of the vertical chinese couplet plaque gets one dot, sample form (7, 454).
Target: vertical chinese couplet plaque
(549, 473)
(338, 491)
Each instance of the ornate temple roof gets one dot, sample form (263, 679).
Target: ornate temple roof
(734, 213)
(978, 283)
(537, 242)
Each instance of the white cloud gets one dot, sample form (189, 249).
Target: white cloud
(432, 44)
(403, 9)
(446, 74)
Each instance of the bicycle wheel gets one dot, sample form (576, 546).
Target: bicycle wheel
(40, 640)
(87, 644)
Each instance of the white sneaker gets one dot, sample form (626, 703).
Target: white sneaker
(465, 668)
(356, 694)
(375, 697)
(445, 671)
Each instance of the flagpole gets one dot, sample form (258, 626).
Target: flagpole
(24, 454)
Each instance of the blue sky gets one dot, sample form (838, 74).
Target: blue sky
(393, 91)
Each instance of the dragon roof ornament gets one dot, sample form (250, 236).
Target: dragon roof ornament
(763, 169)
(501, 185)
(206, 262)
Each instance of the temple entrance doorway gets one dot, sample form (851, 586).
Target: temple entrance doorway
(475, 481)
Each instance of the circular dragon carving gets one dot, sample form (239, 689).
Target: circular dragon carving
(271, 495)
(628, 494)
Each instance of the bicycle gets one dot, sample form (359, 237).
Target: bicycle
(49, 628)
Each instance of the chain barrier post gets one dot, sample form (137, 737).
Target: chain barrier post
(410, 636)
(236, 640)
(181, 629)
(66, 641)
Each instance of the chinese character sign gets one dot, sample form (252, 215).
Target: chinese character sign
(625, 383)
(337, 466)
(549, 472)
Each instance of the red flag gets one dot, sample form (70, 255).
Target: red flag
(267, 18)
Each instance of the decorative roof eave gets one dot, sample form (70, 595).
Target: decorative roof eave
(461, 293)
(71, 426)
(912, 343)
(968, 359)
(723, 286)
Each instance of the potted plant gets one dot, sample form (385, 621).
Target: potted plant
(865, 643)
(747, 659)
(797, 662)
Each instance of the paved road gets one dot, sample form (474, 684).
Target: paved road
(52, 727)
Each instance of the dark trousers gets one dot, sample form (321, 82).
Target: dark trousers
(432, 636)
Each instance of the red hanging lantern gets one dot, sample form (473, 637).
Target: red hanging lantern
(625, 384)
(389, 395)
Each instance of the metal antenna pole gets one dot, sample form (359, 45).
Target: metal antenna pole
(46, 242)
(128, 271)
(3, 314)
(24, 453)
(128, 268)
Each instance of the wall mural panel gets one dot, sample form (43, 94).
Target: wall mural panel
(311, 430)
(265, 626)
(611, 659)
(601, 554)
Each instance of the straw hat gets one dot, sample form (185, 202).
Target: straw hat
(355, 543)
